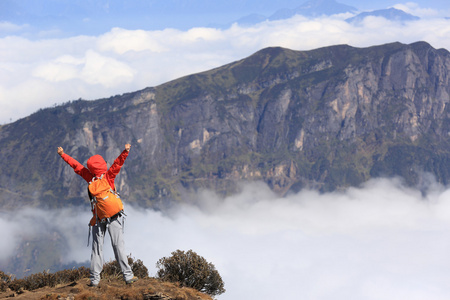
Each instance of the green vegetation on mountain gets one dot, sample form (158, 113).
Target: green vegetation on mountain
(324, 119)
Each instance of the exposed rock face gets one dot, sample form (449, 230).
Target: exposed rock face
(326, 119)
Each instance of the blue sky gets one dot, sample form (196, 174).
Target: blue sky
(64, 17)
(51, 54)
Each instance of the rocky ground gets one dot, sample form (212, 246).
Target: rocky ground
(148, 288)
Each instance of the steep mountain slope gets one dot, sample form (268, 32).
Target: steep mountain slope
(326, 119)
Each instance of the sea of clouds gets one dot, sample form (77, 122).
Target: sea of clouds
(37, 72)
(380, 241)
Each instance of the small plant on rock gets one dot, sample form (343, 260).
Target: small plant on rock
(191, 270)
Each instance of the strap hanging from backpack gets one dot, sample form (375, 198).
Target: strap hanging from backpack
(89, 235)
(123, 221)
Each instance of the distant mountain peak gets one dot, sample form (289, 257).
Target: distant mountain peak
(314, 8)
(310, 8)
(318, 3)
(392, 14)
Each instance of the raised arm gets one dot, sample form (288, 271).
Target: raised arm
(77, 167)
(118, 162)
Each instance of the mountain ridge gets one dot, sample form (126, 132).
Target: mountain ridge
(324, 119)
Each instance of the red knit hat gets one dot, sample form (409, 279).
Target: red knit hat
(97, 165)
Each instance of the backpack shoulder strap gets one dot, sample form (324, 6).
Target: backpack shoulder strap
(96, 178)
(91, 197)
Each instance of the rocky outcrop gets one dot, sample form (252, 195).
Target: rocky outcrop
(326, 119)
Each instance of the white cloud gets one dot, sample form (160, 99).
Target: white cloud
(10, 28)
(31, 223)
(418, 11)
(39, 73)
(107, 71)
(121, 41)
(10, 241)
(381, 241)
(310, 245)
(93, 69)
(62, 68)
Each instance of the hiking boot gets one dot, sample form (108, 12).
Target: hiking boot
(132, 280)
(91, 284)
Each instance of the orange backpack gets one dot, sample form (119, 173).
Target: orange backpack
(105, 202)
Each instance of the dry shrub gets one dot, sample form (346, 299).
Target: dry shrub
(191, 270)
(112, 269)
(43, 279)
(66, 276)
(138, 267)
(38, 280)
(33, 281)
(5, 281)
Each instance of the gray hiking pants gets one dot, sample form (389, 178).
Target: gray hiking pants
(115, 232)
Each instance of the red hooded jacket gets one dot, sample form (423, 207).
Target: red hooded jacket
(96, 166)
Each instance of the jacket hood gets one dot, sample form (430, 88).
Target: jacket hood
(97, 165)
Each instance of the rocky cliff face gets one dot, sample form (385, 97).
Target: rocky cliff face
(327, 119)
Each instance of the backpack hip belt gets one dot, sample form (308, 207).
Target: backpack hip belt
(110, 219)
